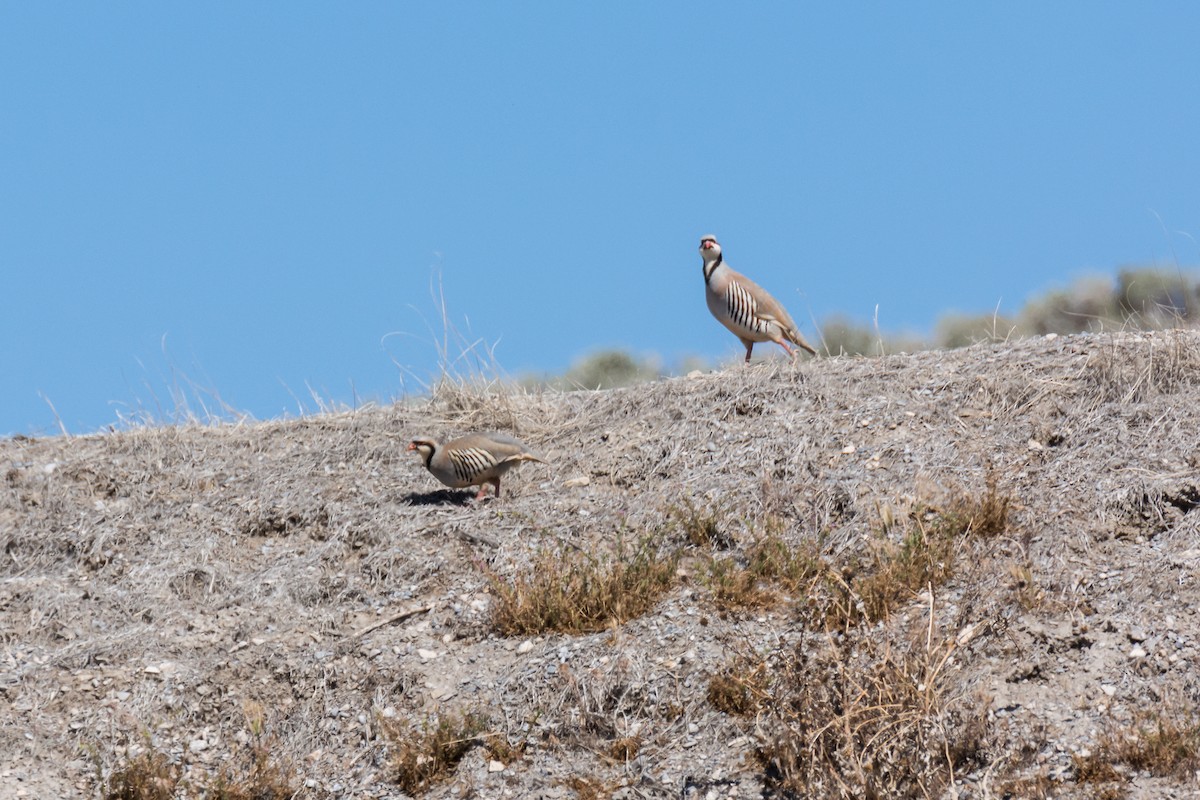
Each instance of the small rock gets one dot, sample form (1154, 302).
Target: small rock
(495, 766)
(1137, 652)
(427, 655)
(525, 646)
(198, 745)
(1136, 635)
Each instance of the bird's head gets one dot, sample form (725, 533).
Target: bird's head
(425, 447)
(710, 250)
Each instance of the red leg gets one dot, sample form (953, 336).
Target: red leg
(483, 487)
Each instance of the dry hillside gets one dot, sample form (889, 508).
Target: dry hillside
(950, 574)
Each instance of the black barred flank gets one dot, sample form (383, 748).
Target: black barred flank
(471, 463)
(742, 307)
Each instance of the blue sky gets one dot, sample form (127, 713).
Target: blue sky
(253, 198)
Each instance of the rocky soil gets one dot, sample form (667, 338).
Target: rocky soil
(193, 591)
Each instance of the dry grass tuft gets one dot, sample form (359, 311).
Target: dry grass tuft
(913, 554)
(1035, 787)
(425, 756)
(260, 774)
(149, 776)
(1134, 367)
(1029, 594)
(967, 514)
(771, 570)
(865, 720)
(470, 388)
(741, 688)
(1162, 745)
(625, 749)
(264, 780)
(922, 558)
(569, 591)
(611, 708)
(590, 788)
(703, 527)
(1094, 770)
(499, 748)
(257, 772)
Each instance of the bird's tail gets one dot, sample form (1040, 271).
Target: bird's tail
(521, 457)
(795, 338)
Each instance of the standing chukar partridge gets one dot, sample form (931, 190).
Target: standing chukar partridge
(474, 460)
(743, 306)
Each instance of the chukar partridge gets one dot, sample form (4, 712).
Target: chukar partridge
(744, 307)
(474, 460)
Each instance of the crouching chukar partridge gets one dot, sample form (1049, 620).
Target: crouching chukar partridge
(474, 460)
(744, 307)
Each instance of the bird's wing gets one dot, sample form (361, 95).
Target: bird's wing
(507, 448)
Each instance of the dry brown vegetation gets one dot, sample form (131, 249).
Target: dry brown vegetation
(427, 755)
(567, 590)
(967, 573)
(256, 771)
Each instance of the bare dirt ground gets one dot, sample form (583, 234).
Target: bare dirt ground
(184, 590)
